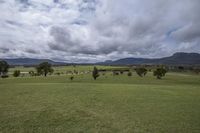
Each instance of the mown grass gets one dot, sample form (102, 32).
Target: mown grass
(109, 104)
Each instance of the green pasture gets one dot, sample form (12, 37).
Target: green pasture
(64, 68)
(111, 104)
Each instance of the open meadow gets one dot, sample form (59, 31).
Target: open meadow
(110, 104)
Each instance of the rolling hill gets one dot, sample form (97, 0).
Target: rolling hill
(30, 61)
(176, 59)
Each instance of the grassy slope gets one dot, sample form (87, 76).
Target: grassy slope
(110, 104)
(62, 68)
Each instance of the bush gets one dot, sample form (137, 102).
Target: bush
(58, 73)
(95, 73)
(115, 73)
(4, 66)
(71, 77)
(16, 73)
(4, 76)
(181, 68)
(160, 72)
(141, 71)
(129, 74)
(31, 73)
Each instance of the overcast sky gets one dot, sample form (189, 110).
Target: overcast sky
(98, 30)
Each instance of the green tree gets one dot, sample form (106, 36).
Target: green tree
(31, 73)
(141, 71)
(95, 73)
(16, 73)
(3, 68)
(160, 72)
(44, 68)
(129, 73)
(71, 77)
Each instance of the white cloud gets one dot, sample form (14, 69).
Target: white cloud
(97, 30)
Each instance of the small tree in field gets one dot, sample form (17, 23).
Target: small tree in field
(95, 73)
(71, 77)
(16, 73)
(141, 71)
(31, 73)
(160, 72)
(129, 73)
(44, 68)
(3, 69)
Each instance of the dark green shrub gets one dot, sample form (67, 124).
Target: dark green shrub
(129, 73)
(115, 73)
(95, 73)
(4, 76)
(141, 71)
(16, 73)
(31, 73)
(160, 72)
(71, 77)
(3, 69)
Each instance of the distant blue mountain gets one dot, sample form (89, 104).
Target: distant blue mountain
(176, 59)
(30, 61)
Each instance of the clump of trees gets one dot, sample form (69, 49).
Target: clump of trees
(141, 71)
(16, 73)
(115, 73)
(95, 73)
(44, 68)
(160, 72)
(4, 66)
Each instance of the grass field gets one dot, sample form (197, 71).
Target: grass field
(111, 104)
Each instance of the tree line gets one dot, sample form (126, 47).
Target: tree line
(45, 68)
(159, 72)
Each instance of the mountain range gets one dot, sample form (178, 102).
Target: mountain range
(176, 59)
(30, 61)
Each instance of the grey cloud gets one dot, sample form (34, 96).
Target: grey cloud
(4, 50)
(96, 30)
(187, 33)
(62, 39)
(22, 1)
(56, 1)
(13, 23)
(32, 51)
